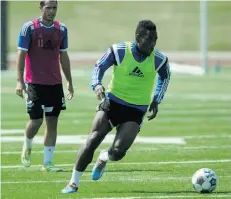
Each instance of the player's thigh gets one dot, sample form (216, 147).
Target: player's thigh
(125, 135)
(100, 128)
(53, 101)
(34, 101)
(101, 123)
(128, 126)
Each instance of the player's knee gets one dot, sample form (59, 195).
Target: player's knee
(116, 154)
(36, 123)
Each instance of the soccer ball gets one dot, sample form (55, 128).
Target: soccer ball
(204, 180)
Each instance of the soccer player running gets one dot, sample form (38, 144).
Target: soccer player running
(42, 44)
(128, 98)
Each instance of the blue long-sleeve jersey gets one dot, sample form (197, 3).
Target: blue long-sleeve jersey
(114, 56)
(27, 30)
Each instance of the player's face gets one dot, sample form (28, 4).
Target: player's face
(49, 10)
(146, 41)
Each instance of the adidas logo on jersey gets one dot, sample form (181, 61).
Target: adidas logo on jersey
(136, 72)
(48, 45)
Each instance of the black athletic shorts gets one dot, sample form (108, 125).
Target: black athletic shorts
(48, 99)
(118, 113)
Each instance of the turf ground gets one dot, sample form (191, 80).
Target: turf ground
(193, 129)
(93, 26)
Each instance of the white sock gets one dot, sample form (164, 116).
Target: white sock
(104, 156)
(27, 143)
(48, 154)
(75, 177)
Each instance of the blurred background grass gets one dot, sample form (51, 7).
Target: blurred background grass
(93, 26)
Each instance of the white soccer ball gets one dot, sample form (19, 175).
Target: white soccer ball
(204, 180)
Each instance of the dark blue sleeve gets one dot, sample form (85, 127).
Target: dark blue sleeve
(25, 36)
(64, 33)
(162, 82)
(110, 58)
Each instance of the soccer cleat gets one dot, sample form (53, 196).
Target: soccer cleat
(50, 167)
(70, 188)
(26, 157)
(98, 169)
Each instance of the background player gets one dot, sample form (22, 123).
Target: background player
(42, 44)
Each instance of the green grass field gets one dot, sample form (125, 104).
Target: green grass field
(93, 26)
(196, 110)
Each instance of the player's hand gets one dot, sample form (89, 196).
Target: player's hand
(100, 92)
(70, 91)
(154, 109)
(20, 87)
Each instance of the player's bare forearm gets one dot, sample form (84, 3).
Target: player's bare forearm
(20, 65)
(65, 64)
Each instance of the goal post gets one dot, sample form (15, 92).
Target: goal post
(204, 35)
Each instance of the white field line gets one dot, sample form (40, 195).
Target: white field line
(80, 139)
(21, 131)
(157, 127)
(133, 149)
(164, 178)
(207, 136)
(132, 163)
(12, 131)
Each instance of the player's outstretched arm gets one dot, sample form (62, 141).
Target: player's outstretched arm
(20, 64)
(65, 65)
